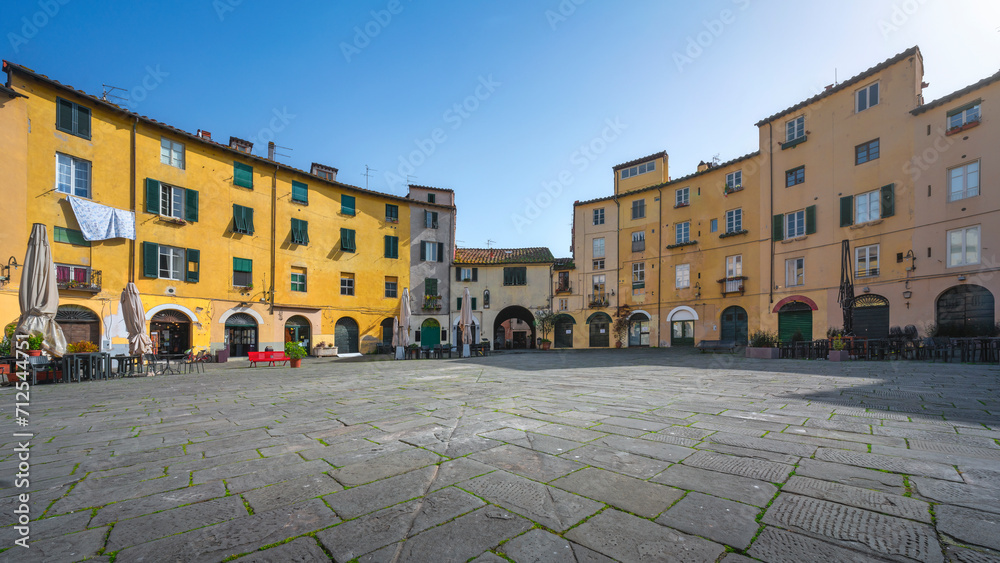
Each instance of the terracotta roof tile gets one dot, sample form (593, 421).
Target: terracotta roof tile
(638, 160)
(956, 94)
(540, 255)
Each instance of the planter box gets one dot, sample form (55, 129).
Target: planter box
(763, 353)
(838, 356)
(327, 352)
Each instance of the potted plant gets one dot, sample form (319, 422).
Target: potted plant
(545, 320)
(295, 353)
(323, 350)
(837, 353)
(762, 345)
(35, 345)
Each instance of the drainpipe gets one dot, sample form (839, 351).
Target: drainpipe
(274, 215)
(659, 262)
(131, 243)
(618, 238)
(770, 211)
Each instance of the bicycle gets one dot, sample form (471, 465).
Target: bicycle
(203, 356)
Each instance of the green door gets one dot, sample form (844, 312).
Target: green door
(682, 333)
(563, 327)
(345, 336)
(600, 330)
(795, 320)
(430, 333)
(734, 325)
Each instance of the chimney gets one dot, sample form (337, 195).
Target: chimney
(270, 150)
(324, 171)
(240, 145)
(703, 166)
(205, 135)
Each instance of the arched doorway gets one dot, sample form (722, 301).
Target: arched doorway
(871, 316)
(79, 324)
(563, 328)
(430, 333)
(387, 331)
(638, 329)
(170, 331)
(734, 325)
(476, 332)
(345, 336)
(514, 327)
(793, 317)
(600, 330)
(965, 310)
(298, 329)
(241, 335)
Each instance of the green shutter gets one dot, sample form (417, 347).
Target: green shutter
(475, 274)
(778, 227)
(152, 196)
(248, 219)
(391, 211)
(150, 259)
(459, 304)
(242, 175)
(69, 236)
(430, 286)
(847, 211)
(238, 224)
(64, 115)
(347, 240)
(440, 252)
(423, 251)
(391, 247)
(191, 205)
(242, 265)
(193, 265)
(473, 303)
(82, 121)
(811, 220)
(347, 204)
(300, 192)
(888, 206)
(304, 231)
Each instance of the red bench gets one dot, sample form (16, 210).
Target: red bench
(269, 357)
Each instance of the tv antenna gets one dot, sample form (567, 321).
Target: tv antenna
(368, 174)
(107, 90)
(273, 153)
(408, 176)
(489, 243)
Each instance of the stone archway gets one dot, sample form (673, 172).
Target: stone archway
(519, 332)
(170, 331)
(78, 324)
(965, 310)
(345, 335)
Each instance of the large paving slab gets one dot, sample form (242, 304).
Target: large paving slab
(630, 538)
(553, 508)
(725, 521)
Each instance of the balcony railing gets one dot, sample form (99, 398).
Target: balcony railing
(866, 272)
(733, 284)
(564, 287)
(91, 285)
(432, 303)
(598, 300)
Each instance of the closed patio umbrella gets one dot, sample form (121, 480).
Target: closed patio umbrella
(465, 322)
(38, 295)
(403, 339)
(135, 321)
(395, 332)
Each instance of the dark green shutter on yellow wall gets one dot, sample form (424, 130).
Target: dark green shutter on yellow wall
(300, 192)
(778, 227)
(391, 247)
(347, 240)
(150, 260)
(193, 266)
(811, 220)
(190, 205)
(347, 205)
(888, 206)
(152, 196)
(847, 211)
(242, 175)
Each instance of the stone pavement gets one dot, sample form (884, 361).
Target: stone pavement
(631, 455)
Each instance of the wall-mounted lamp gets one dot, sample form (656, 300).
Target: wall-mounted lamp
(5, 270)
(907, 294)
(961, 278)
(697, 289)
(265, 295)
(866, 289)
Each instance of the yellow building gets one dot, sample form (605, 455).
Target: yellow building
(232, 251)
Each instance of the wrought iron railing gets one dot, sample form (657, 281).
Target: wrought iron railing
(92, 285)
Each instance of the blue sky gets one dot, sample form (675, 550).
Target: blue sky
(520, 107)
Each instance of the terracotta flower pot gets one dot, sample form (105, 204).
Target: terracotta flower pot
(34, 352)
(295, 362)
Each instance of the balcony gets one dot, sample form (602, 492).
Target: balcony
(91, 283)
(598, 300)
(866, 272)
(432, 303)
(564, 287)
(733, 284)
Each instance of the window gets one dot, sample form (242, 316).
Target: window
(866, 207)
(963, 181)
(713, 225)
(866, 97)
(638, 241)
(466, 274)
(866, 152)
(347, 243)
(795, 129)
(682, 232)
(795, 224)
(431, 287)
(69, 236)
(963, 246)
(172, 201)
(515, 275)
(391, 285)
(72, 118)
(599, 264)
(242, 219)
(640, 169)
(300, 231)
(432, 251)
(599, 285)
(242, 272)
(599, 247)
(172, 153)
(734, 266)
(866, 261)
(795, 272)
(431, 198)
(72, 175)
(472, 304)
(391, 247)
(795, 176)
(430, 219)
(682, 276)
(964, 115)
(599, 216)
(346, 284)
(242, 175)
(639, 209)
(563, 304)
(66, 273)
(734, 181)
(298, 279)
(734, 220)
(638, 275)
(347, 205)
(391, 213)
(300, 192)
(682, 197)
(171, 263)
